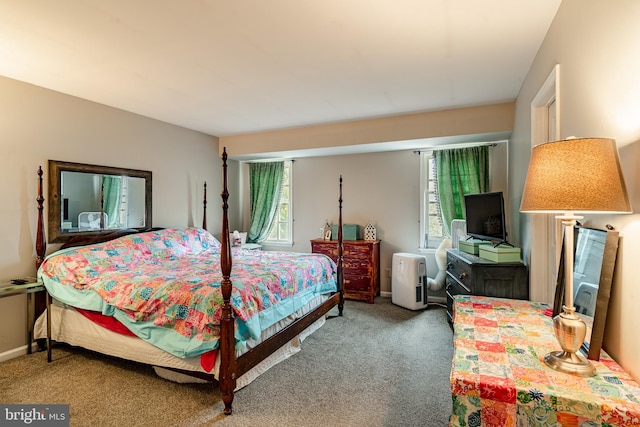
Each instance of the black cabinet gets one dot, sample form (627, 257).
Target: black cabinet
(471, 275)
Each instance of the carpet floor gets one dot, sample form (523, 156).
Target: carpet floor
(377, 365)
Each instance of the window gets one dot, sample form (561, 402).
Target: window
(281, 229)
(430, 218)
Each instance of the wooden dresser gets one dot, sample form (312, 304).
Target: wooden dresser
(361, 265)
(471, 275)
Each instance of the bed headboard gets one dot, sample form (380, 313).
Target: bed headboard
(91, 240)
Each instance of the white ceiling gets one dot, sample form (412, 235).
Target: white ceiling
(226, 67)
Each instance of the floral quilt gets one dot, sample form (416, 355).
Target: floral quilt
(499, 377)
(165, 286)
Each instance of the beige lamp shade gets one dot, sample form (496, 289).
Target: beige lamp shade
(575, 175)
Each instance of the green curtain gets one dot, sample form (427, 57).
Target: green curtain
(111, 186)
(265, 180)
(460, 171)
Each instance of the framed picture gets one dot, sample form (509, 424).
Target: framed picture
(327, 234)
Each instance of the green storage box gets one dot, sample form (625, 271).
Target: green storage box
(349, 232)
(472, 246)
(500, 253)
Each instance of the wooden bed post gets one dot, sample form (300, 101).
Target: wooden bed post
(41, 298)
(204, 207)
(340, 277)
(227, 377)
(41, 249)
(41, 242)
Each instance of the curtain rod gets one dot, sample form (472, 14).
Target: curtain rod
(268, 160)
(461, 145)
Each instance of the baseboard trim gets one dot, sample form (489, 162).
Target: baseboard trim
(17, 352)
(385, 294)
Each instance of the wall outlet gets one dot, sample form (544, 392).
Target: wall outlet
(387, 271)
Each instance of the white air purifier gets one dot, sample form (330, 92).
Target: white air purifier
(409, 281)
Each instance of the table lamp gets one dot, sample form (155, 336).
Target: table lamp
(578, 175)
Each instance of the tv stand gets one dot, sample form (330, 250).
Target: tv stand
(471, 275)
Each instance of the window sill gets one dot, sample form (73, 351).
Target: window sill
(432, 245)
(427, 250)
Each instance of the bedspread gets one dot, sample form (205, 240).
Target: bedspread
(165, 286)
(499, 378)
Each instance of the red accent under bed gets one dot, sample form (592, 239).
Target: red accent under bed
(107, 322)
(207, 360)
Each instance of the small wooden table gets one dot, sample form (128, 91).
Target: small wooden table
(499, 378)
(24, 286)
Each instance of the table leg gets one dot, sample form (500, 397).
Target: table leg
(48, 299)
(30, 322)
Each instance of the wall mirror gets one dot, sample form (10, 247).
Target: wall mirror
(594, 263)
(86, 200)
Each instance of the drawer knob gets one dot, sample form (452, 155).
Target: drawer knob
(463, 275)
(449, 265)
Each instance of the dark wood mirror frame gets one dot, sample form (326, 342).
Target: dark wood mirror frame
(591, 348)
(55, 233)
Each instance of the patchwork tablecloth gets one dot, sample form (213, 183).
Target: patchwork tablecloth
(499, 378)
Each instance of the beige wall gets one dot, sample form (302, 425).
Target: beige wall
(37, 124)
(596, 43)
(487, 119)
(383, 188)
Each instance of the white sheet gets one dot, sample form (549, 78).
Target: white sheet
(71, 327)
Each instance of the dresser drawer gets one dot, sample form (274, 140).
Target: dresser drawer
(357, 283)
(362, 252)
(452, 288)
(329, 250)
(460, 270)
(355, 266)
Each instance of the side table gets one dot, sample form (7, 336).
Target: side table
(499, 377)
(24, 286)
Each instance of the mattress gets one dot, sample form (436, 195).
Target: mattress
(71, 327)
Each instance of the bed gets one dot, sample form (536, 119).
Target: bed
(184, 302)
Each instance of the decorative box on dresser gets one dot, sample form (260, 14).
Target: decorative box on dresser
(361, 265)
(469, 274)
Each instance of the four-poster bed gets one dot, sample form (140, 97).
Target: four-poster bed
(240, 347)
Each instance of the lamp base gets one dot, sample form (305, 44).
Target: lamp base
(570, 331)
(570, 363)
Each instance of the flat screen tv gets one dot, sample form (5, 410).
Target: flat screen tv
(485, 217)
